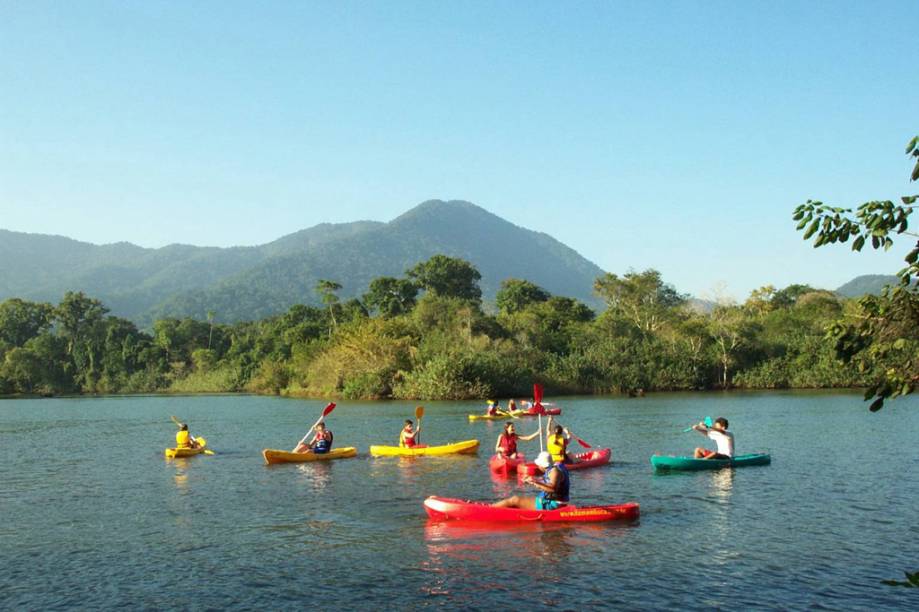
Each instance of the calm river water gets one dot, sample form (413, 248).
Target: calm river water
(94, 517)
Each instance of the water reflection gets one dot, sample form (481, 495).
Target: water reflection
(721, 484)
(317, 475)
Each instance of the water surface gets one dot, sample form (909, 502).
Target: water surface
(93, 516)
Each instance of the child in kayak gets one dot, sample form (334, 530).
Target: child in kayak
(722, 437)
(554, 487)
(321, 442)
(507, 441)
(492, 409)
(409, 436)
(557, 443)
(185, 439)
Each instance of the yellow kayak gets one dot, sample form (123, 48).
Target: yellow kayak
(171, 453)
(278, 456)
(491, 417)
(464, 447)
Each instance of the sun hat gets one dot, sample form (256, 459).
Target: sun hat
(543, 460)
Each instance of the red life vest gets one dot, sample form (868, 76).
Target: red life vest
(508, 443)
(407, 439)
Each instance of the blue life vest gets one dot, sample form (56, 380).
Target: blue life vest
(564, 485)
(323, 445)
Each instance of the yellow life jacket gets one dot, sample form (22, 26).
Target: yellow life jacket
(183, 439)
(557, 445)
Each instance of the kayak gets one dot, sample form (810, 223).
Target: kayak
(464, 447)
(490, 417)
(447, 509)
(545, 412)
(278, 456)
(171, 453)
(504, 466)
(667, 462)
(589, 459)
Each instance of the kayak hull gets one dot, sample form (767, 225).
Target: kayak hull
(466, 447)
(172, 453)
(490, 417)
(273, 456)
(665, 462)
(589, 459)
(503, 466)
(546, 412)
(447, 509)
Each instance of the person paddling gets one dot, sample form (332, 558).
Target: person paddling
(492, 409)
(557, 443)
(321, 442)
(554, 487)
(409, 436)
(722, 437)
(184, 439)
(507, 441)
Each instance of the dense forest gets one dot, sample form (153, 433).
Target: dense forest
(428, 335)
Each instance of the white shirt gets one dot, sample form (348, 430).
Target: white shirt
(724, 440)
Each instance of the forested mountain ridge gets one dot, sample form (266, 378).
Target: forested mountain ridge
(867, 284)
(241, 283)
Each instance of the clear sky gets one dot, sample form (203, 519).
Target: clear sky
(673, 135)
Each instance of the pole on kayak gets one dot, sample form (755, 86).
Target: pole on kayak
(539, 416)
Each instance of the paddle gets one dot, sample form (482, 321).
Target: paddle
(537, 398)
(325, 412)
(707, 422)
(178, 423)
(580, 441)
(419, 412)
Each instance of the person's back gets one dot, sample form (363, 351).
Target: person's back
(182, 439)
(557, 444)
(563, 484)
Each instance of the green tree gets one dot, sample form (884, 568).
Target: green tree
(515, 295)
(884, 337)
(327, 292)
(642, 298)
(448, 277)
(391, 296)
(21, 320)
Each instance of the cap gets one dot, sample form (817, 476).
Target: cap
(543, 460)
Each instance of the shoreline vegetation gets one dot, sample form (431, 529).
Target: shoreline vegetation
(428, 336)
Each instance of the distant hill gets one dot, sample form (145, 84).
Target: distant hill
(866, 284)
(242, 283)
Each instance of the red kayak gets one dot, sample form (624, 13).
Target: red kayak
(531, 412)
(446, 509)
(504, 466)
(585, 460)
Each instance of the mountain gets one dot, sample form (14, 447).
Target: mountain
(866, 284)
(242, 283)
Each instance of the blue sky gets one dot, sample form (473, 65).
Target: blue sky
(675, 135)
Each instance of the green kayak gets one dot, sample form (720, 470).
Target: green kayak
(663, 462)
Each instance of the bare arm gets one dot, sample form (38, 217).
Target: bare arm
(547, 487)
(529, 437)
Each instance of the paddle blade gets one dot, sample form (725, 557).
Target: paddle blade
(328, 409)
(537, 393)
(419, 412)
(582, 442)
(708, 422)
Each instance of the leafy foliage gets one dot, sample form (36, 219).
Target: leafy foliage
(442, 345)
(882, 336)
